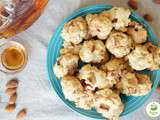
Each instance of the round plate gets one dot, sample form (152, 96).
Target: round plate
(131, 103)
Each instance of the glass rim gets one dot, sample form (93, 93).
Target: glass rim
(15, 44)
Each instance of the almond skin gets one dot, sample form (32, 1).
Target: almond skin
(21, 114)
(123, 29)
(10, 91)
(133, 4)
(12, 83)
(132, 24)
(10, 107)
(12, 99)
(148, 17)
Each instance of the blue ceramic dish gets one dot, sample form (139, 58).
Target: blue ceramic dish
(131, 103)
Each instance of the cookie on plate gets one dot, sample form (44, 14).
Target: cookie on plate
(99, 25)
(72, 88)
(93, 51)
(75, 30)
(144, 85)
(94, 78)
(115, 69)
(74, 91)
(156, 55)
(119, 17)
(69, 47)
(116, 64)
(108, 103)
(119, 44)
(137, 33)
(66, 64)
(85, 100)
(140, 58)
(134, 84)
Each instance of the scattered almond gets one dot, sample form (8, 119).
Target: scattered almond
(10, 91)
(148, 17)
(156, 1)
(12, 83)
(133, 4)
(21, 114)
(12, 99)
(10, 107)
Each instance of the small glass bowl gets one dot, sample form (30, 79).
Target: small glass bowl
(14, 44)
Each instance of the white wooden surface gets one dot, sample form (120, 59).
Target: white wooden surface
(35, 92)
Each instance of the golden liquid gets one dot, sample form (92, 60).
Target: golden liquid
(25, 14)
(13, 58)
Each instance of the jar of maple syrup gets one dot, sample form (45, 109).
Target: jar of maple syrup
(17, 15)
(13, 57)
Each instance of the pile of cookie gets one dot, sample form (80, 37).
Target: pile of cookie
(99, 60)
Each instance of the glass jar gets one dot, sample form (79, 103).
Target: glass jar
(17, 15)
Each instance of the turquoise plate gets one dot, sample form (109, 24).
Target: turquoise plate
(131, 103)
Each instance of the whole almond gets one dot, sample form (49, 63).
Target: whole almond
(133, 4)
(10, 91)
(148, 17)
(12, 83)
(156, 1)
(12, 99)
(21, 114)
(10, 107)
